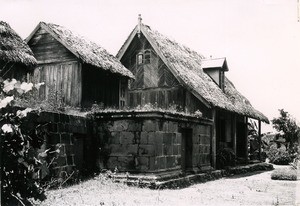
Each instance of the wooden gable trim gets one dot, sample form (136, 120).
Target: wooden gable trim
(152, 43)
(44, 26)
(125, 46)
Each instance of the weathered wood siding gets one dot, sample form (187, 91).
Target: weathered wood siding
(63, 80)
(99, 87)
(46, 49)
(154, 82)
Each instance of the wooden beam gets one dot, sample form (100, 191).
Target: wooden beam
(259, 139)
(246, 136)
(233, 123)
(213, 139)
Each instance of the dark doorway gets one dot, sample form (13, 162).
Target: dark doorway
(241, 140)
(187, 150)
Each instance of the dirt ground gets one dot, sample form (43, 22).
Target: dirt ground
(254, 189)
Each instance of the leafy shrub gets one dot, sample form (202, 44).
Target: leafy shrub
(278, 156)
(21, 163)
(225, 158)
(284, 174)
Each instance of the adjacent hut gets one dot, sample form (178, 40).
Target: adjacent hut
(80, 71)
(16, 58)
(170, 74)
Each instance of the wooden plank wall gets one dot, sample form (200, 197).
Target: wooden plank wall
(46, 49)
(64, 78)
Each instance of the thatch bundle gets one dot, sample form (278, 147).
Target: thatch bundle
(13, 48)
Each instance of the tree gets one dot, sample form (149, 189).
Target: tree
(287, 127)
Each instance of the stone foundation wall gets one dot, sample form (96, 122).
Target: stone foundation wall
(150, 144)
(63, 131)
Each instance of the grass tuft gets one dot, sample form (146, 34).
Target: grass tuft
(284, 174)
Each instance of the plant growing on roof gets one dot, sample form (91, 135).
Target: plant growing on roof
(20, 162)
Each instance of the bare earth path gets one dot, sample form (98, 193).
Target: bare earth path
(256, 189)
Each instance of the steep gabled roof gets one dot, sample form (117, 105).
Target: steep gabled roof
(13, 48)
(85, 50)
(186, 65)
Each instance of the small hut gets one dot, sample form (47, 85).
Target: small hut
(81, 71)
(16, 58)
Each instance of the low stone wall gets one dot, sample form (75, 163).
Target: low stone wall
(150, 142)
(135, 142)
(63, 131)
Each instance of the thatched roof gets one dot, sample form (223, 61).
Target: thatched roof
(241, 103)
(186, 65)
(13, 48)
(87, 51)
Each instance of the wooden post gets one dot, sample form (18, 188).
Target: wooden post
(213, 140)
(233, 123)
(259, 139)
(246, 136)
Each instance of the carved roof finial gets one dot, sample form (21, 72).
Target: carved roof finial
(139, 25)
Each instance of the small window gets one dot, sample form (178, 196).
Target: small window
(144, 57)
(140, 58)
(147, 57)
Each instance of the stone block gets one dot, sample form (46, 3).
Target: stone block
(134, 126)
(132, 149)
(144, 138)
(175, 150)
(161, 161)
(112, 163)
(153, 163)
(150, 126)
(173, 127)
(65, 138)
(147, 150)
(115, 138)
(159, 137)
(120, 125)
(168, 149)
(127, 138)
(170, 162)
(143, 161)
(116, 149)
(167, 138)
(165, 126)
(158, 149)
(151, 137)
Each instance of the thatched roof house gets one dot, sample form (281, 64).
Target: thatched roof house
(188, 68)
(169, 73)
(76, 67)
(85, 50)
(14, 52)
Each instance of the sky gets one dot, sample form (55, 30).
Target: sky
(259, 38)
